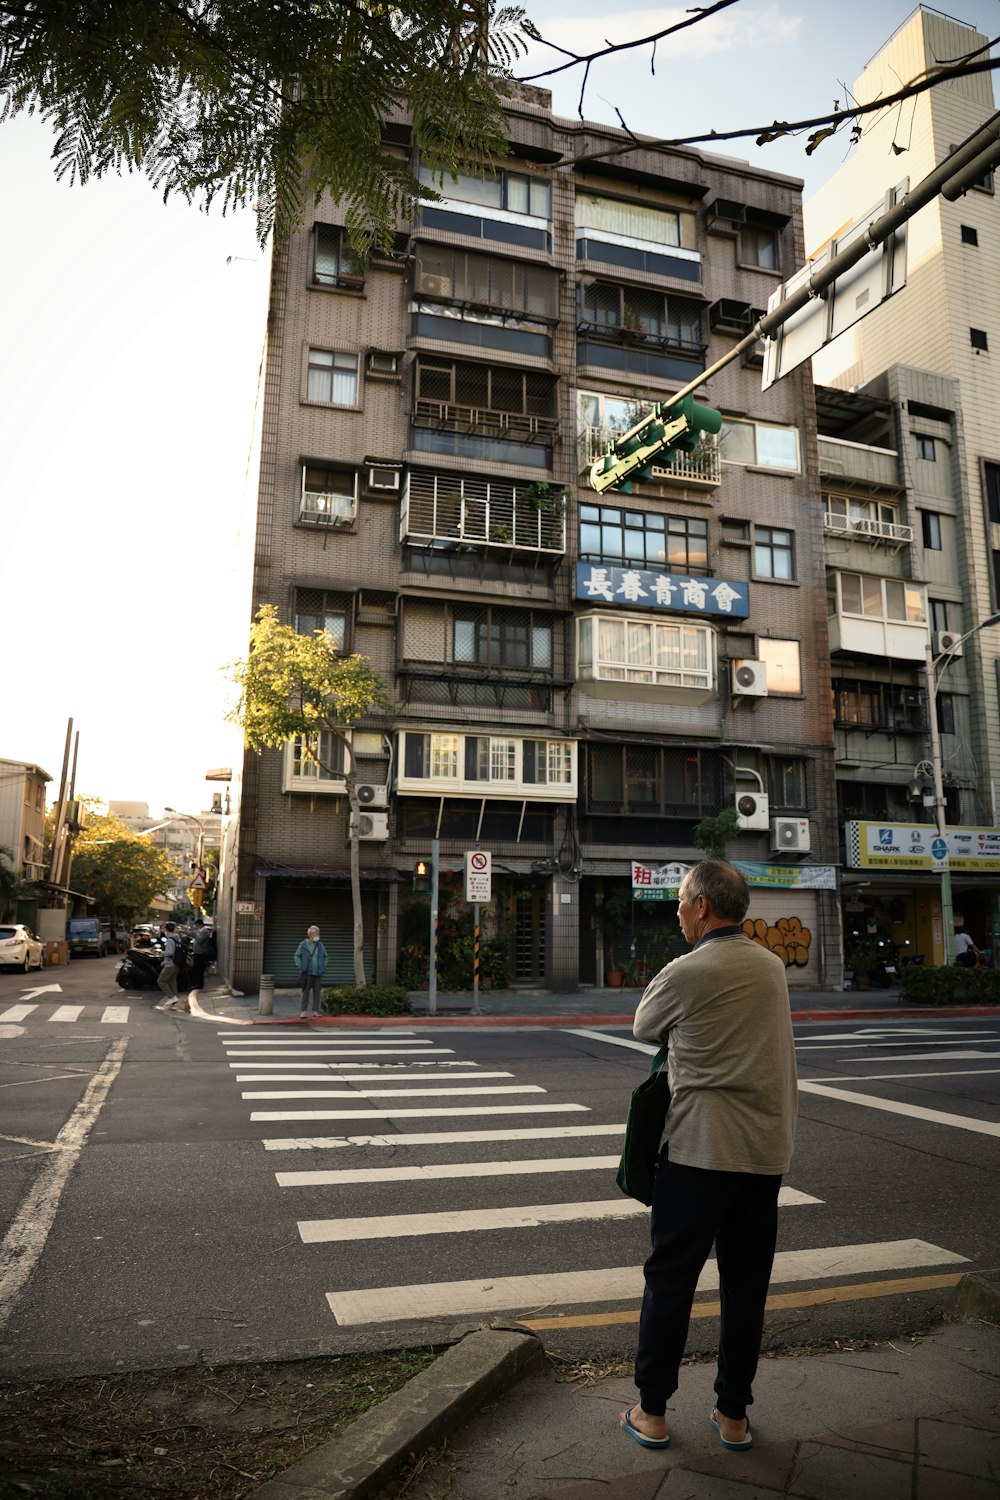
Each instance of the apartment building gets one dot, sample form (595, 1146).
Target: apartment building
(946, 324)
(22, 817)
(579, 678)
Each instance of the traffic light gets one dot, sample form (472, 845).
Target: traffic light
(422, 876)
(669, 428)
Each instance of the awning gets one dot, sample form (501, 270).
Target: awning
(329, 874)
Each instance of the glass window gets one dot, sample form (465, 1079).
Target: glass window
(444, 755)
(503, 760)
(335, 261)
(939, 614)
(318, 757)
(759, 443)
(759, 247)
(931, 524)
(517, 192)
(638, 221)
(978, 339)
(772, 553)
(648, 539)
(946, 713)
(647, 652)
(332, 378)
(781, 658)
(787, 782)
(502, 638)
(925, 448)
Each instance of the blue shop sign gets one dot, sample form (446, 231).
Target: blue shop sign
(674, 591)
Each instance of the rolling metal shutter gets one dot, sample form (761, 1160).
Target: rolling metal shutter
(293, 908)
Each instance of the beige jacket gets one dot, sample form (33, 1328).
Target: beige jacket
(724, 1011)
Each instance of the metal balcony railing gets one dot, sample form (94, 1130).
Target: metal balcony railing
(862, 528)
(483, 513)
(525, 427)
(702, 468)
(318, 509)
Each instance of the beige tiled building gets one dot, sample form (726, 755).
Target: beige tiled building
(579, 679)
(930, 351)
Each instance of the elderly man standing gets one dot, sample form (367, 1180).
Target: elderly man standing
(723, 1011)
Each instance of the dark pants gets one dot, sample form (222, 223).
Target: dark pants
(199, 963)
(692, 1208)
(312, 991)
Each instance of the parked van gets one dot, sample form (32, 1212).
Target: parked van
(84, 935)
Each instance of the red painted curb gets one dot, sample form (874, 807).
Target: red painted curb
(347, 1022)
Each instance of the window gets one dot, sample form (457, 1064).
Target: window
(926, 448)
(978, 339)
(335, 263)
(503, 764)
(946, 713)
(841, 512)
(772, 553)
(781, 658)
(623, 649)
(760, 444)
(647, 539)
(635, 221)
(893, 708)
(384, 476)
(510, 192)
(380, 364)
(317, 610)
(786, 782)
(332, 378)
(314, 763)
(650, 781)
(502, 638)
(940, 611)
(633, 313)
(991, 486)
(489, 759)
(970, 236)
(759, 247)
(878, 598)
(486, 281)
(548, 761)
(329, 494)
(495, 387)
(930, 523)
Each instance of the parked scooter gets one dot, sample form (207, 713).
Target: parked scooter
(140, 969)
(885, 969)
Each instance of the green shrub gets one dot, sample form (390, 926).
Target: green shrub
(921, 984)
(367, 1000)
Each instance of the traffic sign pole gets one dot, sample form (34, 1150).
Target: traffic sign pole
(475, 960)
(432, 982)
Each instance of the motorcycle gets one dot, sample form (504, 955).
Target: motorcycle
(140, 969)
(885, 969)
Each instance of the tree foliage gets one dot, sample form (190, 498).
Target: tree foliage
(252, 103)
(120, 870)
(291, 684)
(10, 883)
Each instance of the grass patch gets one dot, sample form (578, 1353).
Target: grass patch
(199, 1433)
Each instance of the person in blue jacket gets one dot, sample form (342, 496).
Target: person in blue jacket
(310, 958)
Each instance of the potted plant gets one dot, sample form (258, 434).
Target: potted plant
(614, 920)
(860, 957)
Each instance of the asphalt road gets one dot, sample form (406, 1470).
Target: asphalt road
(225, 1192)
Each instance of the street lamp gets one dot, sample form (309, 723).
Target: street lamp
(935, 667)
(201, 829)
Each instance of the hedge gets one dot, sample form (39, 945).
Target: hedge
(921, 984)
(366, 1000)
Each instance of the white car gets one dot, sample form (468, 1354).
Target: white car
(19, 948)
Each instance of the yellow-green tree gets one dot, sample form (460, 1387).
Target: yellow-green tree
(291, 684)
(121, 870)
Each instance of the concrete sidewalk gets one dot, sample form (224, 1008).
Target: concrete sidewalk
(915, 1419)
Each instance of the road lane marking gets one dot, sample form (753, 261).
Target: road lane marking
(471, 1221)
(891, 1042)
(373, 1176)
(115, 1015)
(17, 1012)
(819, 1297)
(894, 1107)
(617, 1284)
(372, 1034)
(352, 1078)
(416, 1114)
(25, 1240)
(875, 1077)
(384, 1069)
(500, 1088)
(440, 1137)
(615, 1041)
(316, 1044)
(66, 1013)
(331, 1052)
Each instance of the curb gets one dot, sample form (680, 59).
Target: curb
(976, 1296)
(369, 1022)
(361, 1459)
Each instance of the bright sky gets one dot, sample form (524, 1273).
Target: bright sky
(132, 337)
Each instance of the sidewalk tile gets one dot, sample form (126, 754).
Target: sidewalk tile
(623, 1487)
(960, 1450)
(767, 1464)
(975, 1416)
(823, 1472)
(885, 1440)
(935, 1484)
(684, 1484)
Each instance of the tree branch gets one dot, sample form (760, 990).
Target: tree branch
(611, 47)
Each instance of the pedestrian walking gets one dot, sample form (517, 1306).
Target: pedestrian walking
(310, 959)
(966, 952)
(201, 953)
(167, 982)
(723, 1012)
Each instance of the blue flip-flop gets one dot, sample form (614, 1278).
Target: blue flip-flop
(746, 1442)
(626, 1425)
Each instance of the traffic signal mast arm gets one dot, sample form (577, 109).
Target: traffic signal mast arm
(671, 426)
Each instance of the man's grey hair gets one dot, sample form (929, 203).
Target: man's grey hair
(313, 928)
(722, 885)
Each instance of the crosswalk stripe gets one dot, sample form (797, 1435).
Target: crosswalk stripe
(349, 1078)
(617, 1284)
(17, 1012)
(964, 1055)
(416, 1114)
(911, 1111)
(372, 1034)
(878, 1077)
(317, 1044)
(115, 1015)
(464, 1221)
(66, 1013)
(501, 1088)
(373, 1176)
(332, 1052)
(385, 1069)
(440, 1137)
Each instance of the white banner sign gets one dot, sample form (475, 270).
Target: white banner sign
(478, 876)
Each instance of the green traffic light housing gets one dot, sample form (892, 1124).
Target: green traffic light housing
(422, 870)
(671, 427)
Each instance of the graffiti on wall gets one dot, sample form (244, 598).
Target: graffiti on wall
(787, 938)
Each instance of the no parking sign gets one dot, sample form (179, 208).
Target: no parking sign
(478, 875)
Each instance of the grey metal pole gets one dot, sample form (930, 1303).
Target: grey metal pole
(432, 986)
(947, 908)
(475, 958)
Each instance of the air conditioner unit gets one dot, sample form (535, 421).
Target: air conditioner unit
(372, 796)
(947, 641)
(752, 811)
(749, 678)
(790, 835)
(433, 286)
(373, 827)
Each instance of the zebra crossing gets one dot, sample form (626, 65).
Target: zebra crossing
(371, 1077)
(107, 1015)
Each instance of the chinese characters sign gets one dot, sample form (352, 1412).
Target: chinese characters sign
(910, 846)
(674, 591)
(661, 882)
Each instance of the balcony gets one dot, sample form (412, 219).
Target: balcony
(862, 529)
(482, 513)
(702, 468)
(840, 459)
